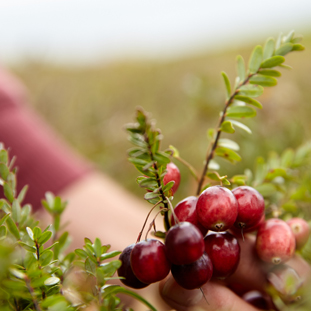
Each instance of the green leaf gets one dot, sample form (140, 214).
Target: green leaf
(46, 258)
(241, 126)
(168, 186)
(110, 255)
(287, 158)
(228, 143)
(213, 165)
(111, 267)
(4, 171)
(97, 247)
(286, 66)
(277, 172)
(284, 49)
(16, 211)
(175, 151)
(269, 48)
(90, 266)
(227, 127)
(49, 282)
(241, 68)
(241, 112)
(45, 237)
(266, 189)
(148, 182)
(8, 192)
(30, 233)
(248, 100)
(227, 154)
(263, 81)
(4, 158)
(22, 194)
(27, 247)
(162, 158)
(12, 227)
(250, 90)
(121, 290)
(3, 232)
(81, 253)
(4, 218)
(227, 83)
(298, 47)
(26, 210)
(255, 59)
(36, 233)
(289, 37)
(270, 72)
(273, 61)
(151, 195)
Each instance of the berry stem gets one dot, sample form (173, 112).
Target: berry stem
(142, 229)
(155, 166)
(213, 145)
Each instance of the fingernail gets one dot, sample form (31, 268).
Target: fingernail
(172, 291)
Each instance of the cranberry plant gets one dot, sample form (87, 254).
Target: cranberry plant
(36, 273)
(263, 202)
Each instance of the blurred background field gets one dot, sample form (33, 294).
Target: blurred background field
(89, 105)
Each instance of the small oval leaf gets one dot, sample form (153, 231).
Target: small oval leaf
(269, 48)
(241, 112)
(241, 126)
(250, 90)
(269, 72)
(241, 68)
(227, 83)
(227, 127)
(263, 81)
(255, 59)
(51, 281)
(249, 100)
(272, 61)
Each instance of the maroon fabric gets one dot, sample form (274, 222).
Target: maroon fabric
(43, 160)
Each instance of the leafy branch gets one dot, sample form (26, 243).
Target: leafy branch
(249, 84)
(150, 161)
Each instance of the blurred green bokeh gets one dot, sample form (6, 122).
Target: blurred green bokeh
(88, 106)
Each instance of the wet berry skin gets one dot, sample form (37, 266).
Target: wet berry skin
(173, 174)
(217, 208)
(184, 243)
(185, 210)
(301, 231)
(126, 270)
(224, 251)
(275, 241)
(195, 274)
(251, 206)
(149, 261)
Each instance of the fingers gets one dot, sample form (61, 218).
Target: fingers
(217, 297)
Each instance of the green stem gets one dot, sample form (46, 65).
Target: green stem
(213, 145)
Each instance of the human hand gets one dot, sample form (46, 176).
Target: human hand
(251, 274)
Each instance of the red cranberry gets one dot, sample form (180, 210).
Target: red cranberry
(251, 207)
(126, 270)
(275, 241)
(173, 174)
(195, 274)
(217, 208)
(224, 251)
(185, 210)
(301, 231)
(184, 243)
(149, 261)
(257, 299)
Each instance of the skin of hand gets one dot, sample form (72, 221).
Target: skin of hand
(250, 275)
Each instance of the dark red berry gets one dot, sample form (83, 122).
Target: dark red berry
(301, 231)
(257, 299)
(217, 208)
(224, 251)
(149, 261)
(184, 243)
(275, 242)
(173, 174)
(195, 274)
(185, 210)
(251, 206)
(126, 270)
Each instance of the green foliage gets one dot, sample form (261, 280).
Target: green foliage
(36, 273)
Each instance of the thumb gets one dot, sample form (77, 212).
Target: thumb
(217, 297)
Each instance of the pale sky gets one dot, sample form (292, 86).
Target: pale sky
(84, 31)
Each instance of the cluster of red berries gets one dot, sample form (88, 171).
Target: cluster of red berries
(198, 245)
